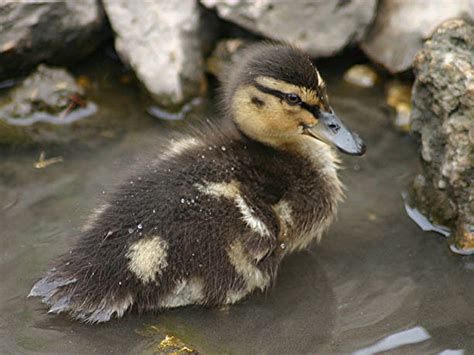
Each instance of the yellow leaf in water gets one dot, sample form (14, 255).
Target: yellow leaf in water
(172, 344)
(43, 163)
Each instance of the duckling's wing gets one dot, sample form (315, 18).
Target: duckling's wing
(261, 239)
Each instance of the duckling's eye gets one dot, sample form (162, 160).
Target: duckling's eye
(292, 99)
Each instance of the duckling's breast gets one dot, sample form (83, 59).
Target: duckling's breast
(311, 194)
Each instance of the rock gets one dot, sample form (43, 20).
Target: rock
(160, 41)
(401, 26)
(49, 90)
(443, 120)
(398, 97)
(57, 32)
(322, 28)
(47, 107)
(361, 75)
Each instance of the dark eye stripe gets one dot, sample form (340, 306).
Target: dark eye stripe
(314, 109)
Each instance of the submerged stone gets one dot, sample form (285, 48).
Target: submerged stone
(361, 75)
(48, 89)
(47, 107)
(443, 120)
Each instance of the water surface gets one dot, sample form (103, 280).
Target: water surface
(375, 283)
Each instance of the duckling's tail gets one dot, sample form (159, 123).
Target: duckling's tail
(61, 295)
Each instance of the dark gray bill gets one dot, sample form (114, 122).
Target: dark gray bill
(331, 130)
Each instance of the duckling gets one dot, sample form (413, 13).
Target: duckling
(209, 221)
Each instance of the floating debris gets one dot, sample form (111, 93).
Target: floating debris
(399, 99)
(43, 163)
(361, 75)
(394, 341)
(10, 204)
(75, 100)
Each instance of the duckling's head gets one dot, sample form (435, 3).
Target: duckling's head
(275, 95)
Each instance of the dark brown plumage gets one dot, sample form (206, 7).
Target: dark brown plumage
(209, 221)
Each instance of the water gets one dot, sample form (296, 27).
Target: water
(75, 115)
(376, 282)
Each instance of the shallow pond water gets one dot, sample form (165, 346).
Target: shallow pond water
(376, 282)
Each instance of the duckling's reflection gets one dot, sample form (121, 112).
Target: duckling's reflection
(296, 315)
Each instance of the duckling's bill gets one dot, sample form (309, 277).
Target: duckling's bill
(331, 130)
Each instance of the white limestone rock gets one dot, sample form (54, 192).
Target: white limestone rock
(401, 27)
(322, 27)
(160, 41)
(57, 32)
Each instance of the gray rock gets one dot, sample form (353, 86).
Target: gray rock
(401, 26)
(321, 27)
(160, 41)
(443, 119)
(47, 89)
(58, 32)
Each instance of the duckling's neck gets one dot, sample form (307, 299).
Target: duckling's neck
(321, 156)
